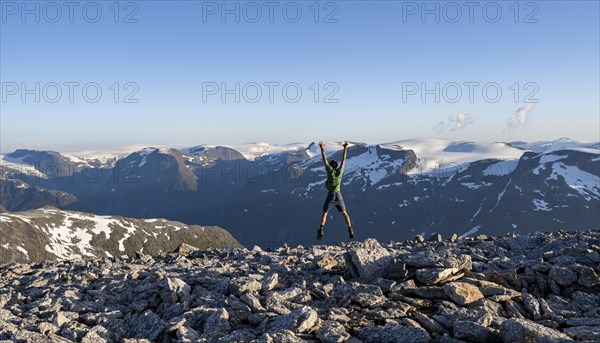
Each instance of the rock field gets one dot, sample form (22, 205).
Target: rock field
(540, 287)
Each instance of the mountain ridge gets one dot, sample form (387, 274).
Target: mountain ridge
(393, 190)
(51, 233)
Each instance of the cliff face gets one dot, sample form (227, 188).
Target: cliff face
(541, 287)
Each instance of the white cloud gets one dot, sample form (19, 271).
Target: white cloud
(458, 122)
(521, 116)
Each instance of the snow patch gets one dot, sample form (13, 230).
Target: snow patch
(25, 252)
(541, 205)
(499, 197)
(471, 232)
(544, 160)
(501, 168)
(68, 240)
(19, 166)
(371, 166)
(474, 185)
(144, 154)
(436, 155)
(586, 184)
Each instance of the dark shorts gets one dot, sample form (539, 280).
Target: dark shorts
(334, 198)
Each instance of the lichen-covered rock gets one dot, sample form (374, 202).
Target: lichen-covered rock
(462, 293)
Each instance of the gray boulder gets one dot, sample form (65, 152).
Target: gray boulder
(516, 330)
(300, 320)
(371, 259)
(435, 275)
(241, 285)
(393, 334)
(332, 332)
(563, 276)
(146, 325)
(473, 332)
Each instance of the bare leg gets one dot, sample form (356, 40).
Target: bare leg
(323, 218)
(347, 218)
(320, 232)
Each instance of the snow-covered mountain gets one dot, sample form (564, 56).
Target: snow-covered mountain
(563, 143)
(50, 233)
(432, 154)
(268, 193)
(250, 151)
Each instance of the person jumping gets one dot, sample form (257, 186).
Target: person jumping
(334, 196)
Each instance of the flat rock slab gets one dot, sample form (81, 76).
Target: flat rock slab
(462, 293)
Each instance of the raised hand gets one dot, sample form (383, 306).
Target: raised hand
(321, 145)
(345, 144)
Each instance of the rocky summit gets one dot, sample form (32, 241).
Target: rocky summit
(540, 287)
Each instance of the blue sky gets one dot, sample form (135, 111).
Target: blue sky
(368, 59)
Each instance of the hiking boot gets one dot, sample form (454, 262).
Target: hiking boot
(350, 232)
(320, 234)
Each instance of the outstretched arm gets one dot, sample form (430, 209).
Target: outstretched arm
(322, 146)
(345, 150)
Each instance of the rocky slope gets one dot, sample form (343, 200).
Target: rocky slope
(16, 195)
(50, 233)
(541, 287)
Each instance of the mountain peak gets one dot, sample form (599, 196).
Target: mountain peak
(564, 140)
